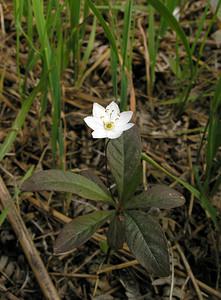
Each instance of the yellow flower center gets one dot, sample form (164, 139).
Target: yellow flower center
(109, 125)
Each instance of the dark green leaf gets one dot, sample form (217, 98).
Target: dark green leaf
(124, 156)
(116, 232)
(79, 231)
(93, 177)
(65, 181)
(158, 195)
(136, 179)
(147, 242)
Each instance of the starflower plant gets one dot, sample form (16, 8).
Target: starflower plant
(108, 122)
(129, 207)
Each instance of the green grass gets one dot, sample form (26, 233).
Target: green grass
(50, 42)
(3, 216)
(213, 165)
(46, 25)
(126, 58)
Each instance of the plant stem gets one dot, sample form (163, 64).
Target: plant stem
(106, 170)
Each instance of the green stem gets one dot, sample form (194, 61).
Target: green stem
(106, 169)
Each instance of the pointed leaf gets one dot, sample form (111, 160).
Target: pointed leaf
(158, 195)
(65, 181)
(147, 242)
(79, 231)
(116, 232)
(93, 177)
(124, 156)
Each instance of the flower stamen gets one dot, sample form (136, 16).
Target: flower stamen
(108, 125)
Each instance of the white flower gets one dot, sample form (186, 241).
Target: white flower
(108, 122)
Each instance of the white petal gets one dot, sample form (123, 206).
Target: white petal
(113, 107)
(124, 118)
(114, 134)
(98, 110)
(99, 134)
(93, 123)
(127, 126)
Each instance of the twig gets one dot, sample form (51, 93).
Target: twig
(8, 294)
(172, 274)
(190, 273)
(118, 267)
(2, 20)
(75, 275)
(86, 261)
(183, 287)
(205, 287)
(28, 246)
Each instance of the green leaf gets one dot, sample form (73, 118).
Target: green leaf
(93, 177)
(65, 181)
(79, 231)
(116, 232)
(158, 195)
(147, 242)
(124, 155)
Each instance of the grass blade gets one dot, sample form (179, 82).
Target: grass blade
(163, 10)
(52, 68)
(19, 121)
(104, 25)
(126, 61)
(75, 8)
(87, 54)
(152, 47)
(3, 216)
(214, 131)
(203, 200)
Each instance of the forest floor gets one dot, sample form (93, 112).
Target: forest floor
(172, 140)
